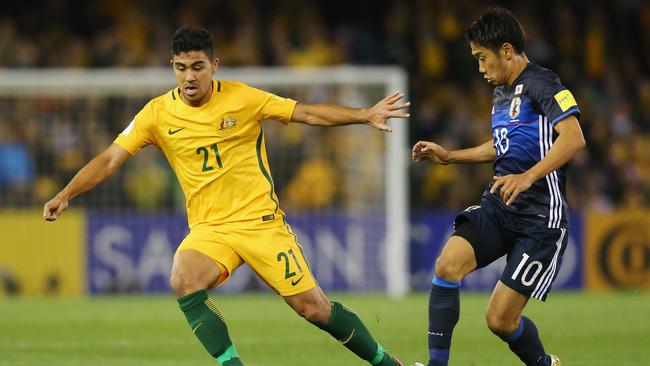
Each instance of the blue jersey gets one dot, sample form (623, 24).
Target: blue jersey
(523, 117)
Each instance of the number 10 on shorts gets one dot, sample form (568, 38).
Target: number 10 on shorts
(526, 278)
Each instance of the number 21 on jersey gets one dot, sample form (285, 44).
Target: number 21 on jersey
(203, 150)
(501, 141)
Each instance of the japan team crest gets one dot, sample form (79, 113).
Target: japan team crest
(515, 107)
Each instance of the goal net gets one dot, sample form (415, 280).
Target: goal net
(344, 189)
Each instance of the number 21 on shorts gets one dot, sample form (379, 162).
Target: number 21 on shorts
(288, 273)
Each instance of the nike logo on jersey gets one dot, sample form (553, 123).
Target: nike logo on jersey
(171, 132)
(436, 334)
(293, 283)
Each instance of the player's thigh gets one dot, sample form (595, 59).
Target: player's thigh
(534, 261)
(277, 258)
(476, 242)
(203, 253)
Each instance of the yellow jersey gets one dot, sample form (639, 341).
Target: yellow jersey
(217, 152)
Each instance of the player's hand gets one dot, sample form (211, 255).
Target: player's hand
(425, 150)
(511, 185)
(386, 109)
(54, 208)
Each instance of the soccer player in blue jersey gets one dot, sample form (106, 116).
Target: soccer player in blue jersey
(523, 213)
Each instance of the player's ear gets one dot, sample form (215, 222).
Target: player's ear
(507, 51)
(215, 64)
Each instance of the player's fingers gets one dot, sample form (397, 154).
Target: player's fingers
(419, 145)
(395, 107)
(51, 215)
(507, 188)
(49, 209)
(503, 192)
(383, 127)
(389, 97)
(514, 195)
(511, 198)
(420, 155)
(59, 210)
(399, 115)
(46, 210)
(497, 182)
(394, 97)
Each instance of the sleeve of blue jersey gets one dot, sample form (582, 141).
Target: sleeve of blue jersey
(572, 111)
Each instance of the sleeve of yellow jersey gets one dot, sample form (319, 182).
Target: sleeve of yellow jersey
(139, 133)
(271, 106)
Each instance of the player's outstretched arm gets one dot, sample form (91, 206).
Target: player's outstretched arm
(93, 173)
(569, 141)
(338, 115)
(425, 150)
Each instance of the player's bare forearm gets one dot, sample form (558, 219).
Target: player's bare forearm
(338, 115)
(327, 115)
(483, 153)
(425, 150)
(569, 141)
(92, 174)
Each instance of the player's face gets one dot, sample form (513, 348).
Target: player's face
(492, 65)
(194, 72)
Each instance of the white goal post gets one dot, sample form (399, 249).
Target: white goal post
(79, 83)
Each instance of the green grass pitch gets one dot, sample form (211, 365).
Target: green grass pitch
(583, 329)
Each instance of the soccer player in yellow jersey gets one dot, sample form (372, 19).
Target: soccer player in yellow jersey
(210, 132)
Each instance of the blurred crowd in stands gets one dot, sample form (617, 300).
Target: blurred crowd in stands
(600, 50)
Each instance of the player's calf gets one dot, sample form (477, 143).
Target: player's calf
(209, 326)
(525, 343)
(192, 274)
(341, 323)
(455, 261)
(312, 305)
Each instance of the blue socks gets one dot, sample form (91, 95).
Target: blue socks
(444, 311)
(525, 343)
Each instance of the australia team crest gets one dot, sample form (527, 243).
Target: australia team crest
(515, 107)
(227, 123)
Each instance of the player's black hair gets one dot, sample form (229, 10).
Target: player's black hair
(496, 27)
(188, 38)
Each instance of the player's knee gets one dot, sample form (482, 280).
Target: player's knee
(184, 284)
(449, 269)
(499, 325)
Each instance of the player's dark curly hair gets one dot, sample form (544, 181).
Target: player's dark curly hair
(188, 38)
(496, 27)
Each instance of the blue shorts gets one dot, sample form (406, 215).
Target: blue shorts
(534, 251)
